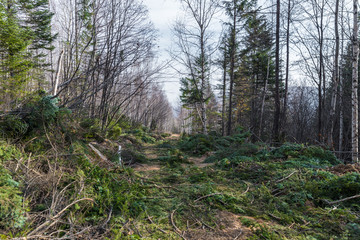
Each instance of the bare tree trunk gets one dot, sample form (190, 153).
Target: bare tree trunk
(321, 74)
(203, 82)
(223, 97)
(277, 75)
(232, 67)
(287, 64)
(354, 102)
(341, 121)
(57, 77)
(336, 77)
(263, 99)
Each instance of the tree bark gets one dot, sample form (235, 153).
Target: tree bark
(223, 95)
(354, 97)
(232, 67)
(277, 75)
(336, 77)
(287, 64)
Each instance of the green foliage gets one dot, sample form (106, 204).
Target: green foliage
(353, 231)
(44, 112)
(9, 153)
(15, 63)
(12, 208)
(143, 135)
(325, 185)
(283, 193)
(110, 190)
(92, 129)
(199, 144)
(165, 135)
(131, 155)
(173, 158)
(115, 132)
(12, 126)
(39, 19)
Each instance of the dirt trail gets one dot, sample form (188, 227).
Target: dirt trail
(229, 228)
(228, 225)
(199, 161)
(151, 153)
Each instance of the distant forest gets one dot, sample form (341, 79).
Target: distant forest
(289, 69)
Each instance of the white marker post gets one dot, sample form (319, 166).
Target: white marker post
(119, 153)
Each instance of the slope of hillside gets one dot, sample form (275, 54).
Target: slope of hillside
(63, 180)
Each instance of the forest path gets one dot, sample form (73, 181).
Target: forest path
(228, 226)
(152, 153)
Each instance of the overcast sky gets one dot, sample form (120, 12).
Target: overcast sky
(163, 14)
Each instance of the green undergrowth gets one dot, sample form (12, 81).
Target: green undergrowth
(50, 177)
(290, 191)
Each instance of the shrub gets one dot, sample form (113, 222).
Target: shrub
(11, 202)
(197, 144)
(115, 132)
(326, 185)
(13, 127)
(8, 152)
(43, 112)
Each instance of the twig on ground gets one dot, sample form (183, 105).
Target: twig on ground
(342, 200)
(48, 222)
(238, 235)
(151, 221)
(210, 195)
(283, 179)
(173, 223)
(248, 188)
(177, 230)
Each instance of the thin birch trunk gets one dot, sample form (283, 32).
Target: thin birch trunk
(263, 99)
(336, 77)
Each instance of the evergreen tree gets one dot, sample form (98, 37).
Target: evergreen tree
(236, 11)
(256, 73)
(14, 57)
(38, 18)
(193, 93)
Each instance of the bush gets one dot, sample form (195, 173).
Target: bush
(43, 112)
(13, 127)
(142, 135)
(115, 132)
(11, 202)
(298, 155)
(8, 152)
(197, 144)
(326, 185)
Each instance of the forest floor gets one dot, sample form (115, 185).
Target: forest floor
(71, 184)
(227, 225)
(152, 154)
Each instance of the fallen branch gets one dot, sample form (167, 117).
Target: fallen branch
(248, 188)
(173, 223)
(210, 195)
(177, 230)
(102, 157)
(151, 221)
(238, 235)
(342, 200)
(48, 222)
(283, 179)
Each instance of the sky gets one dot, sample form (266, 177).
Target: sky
(163, 14)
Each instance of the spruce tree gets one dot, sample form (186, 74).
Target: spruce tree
(15, 62)
(38, 18)
(257, 71)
